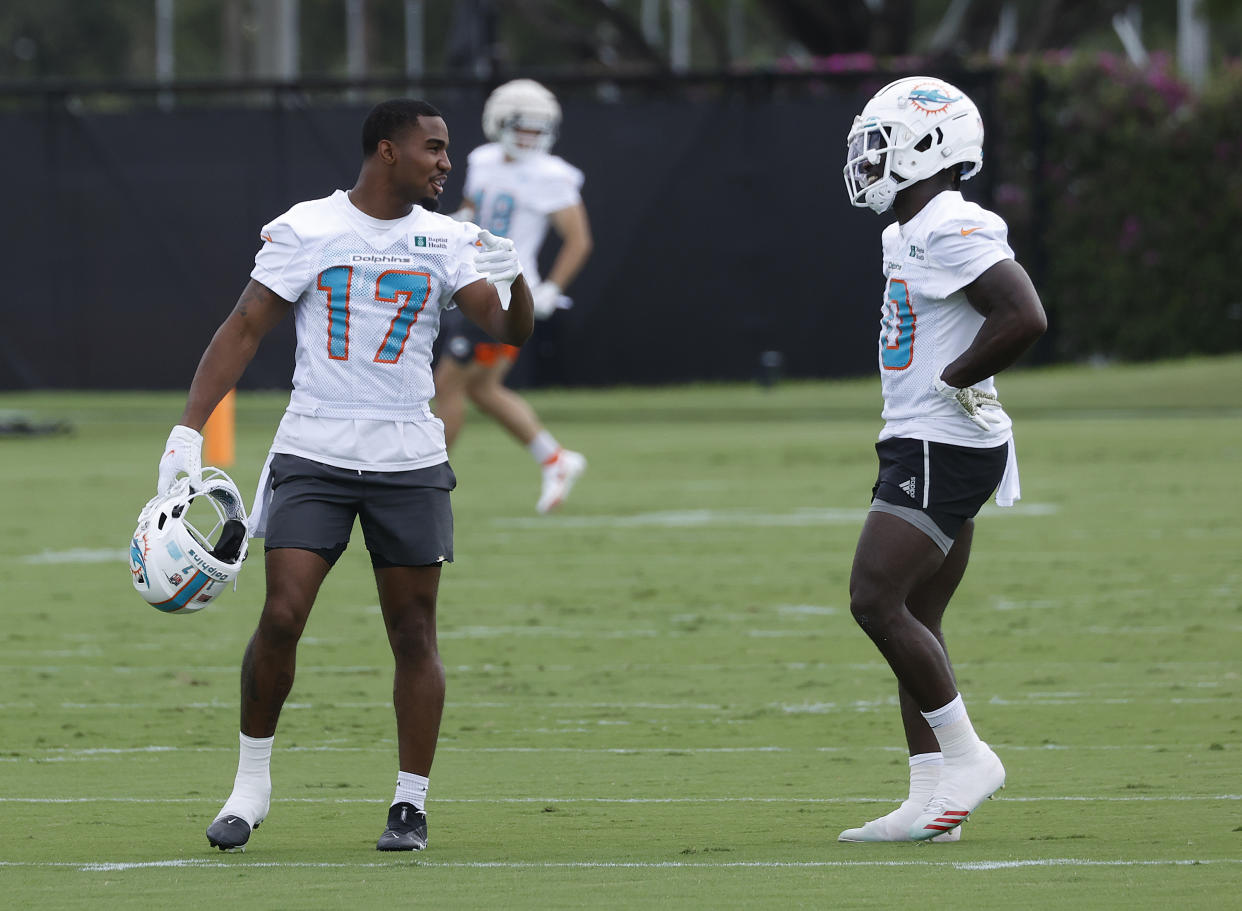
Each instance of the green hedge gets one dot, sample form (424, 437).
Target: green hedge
(1123, 189)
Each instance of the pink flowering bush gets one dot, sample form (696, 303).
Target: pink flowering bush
(1124, 199)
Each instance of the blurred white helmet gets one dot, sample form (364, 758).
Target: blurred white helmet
(177, 568)
(910, 130)
(523, 117)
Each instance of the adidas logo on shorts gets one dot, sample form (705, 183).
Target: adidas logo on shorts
(909, 487)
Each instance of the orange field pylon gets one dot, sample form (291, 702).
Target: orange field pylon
(219, 432)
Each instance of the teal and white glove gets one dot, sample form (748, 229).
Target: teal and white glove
(973, 402)
(183, 454)
(498, 259)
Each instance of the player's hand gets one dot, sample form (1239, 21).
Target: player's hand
(973, 402)
(498, 259)
(183, 454)
(547, 296)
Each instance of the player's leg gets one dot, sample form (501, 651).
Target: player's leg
(907, 566)
(450, 379)
(926, 603)
(560, 468)
(307, 528)
(408, 602)
(892, 558)
(408, 523)
(293, 580)
(485, 385)
(460, 336)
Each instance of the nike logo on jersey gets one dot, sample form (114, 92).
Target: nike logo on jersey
(267, 237)
(966, 231)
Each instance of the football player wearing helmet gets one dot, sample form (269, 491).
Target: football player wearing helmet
(956, 310)
(366, 274)
(516, 188)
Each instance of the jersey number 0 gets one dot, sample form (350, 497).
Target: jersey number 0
(392, 287)
(898, 327)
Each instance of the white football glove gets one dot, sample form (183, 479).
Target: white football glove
(547, 297)
(973, 402)
(498, 259)
(183, 453)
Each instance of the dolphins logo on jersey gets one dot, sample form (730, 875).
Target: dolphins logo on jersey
(931, 98)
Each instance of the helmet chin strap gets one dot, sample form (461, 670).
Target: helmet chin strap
(880, 195)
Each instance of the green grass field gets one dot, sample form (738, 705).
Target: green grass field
(657, 698)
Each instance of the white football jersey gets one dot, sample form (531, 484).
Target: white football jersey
(367, 297)
(926, 321)
(514, 198)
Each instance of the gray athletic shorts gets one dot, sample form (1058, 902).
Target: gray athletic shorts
(406, 516)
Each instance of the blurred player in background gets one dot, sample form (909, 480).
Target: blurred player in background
(515, 188)
(366, 273)
(957, 310)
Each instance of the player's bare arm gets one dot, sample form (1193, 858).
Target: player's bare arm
(481, 304)
(574, 228)
(1013, 319)
(256, 312)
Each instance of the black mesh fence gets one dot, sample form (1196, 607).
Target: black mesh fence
(717, 205)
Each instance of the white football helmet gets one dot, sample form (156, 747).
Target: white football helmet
(523, 117)
(909, 130)
(177, 568)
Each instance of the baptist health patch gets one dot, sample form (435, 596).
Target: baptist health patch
(430, 242)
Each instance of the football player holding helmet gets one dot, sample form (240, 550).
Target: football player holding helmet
(911, 129)
(177, 568)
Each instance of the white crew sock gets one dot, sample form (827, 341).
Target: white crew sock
(953, 730)
(252, 786)
(544, 448)
(411, 788)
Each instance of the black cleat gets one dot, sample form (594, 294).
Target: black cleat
(229, 833)
(407, 829)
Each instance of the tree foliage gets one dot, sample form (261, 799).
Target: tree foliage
(1121, 186)
(115, 39)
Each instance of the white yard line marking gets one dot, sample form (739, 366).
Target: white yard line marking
(66, 754)
(77, 555)
(969, 866)
(1138, 798)
(884, 703)
(878, 667)
(699, 518)
(685, 518)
